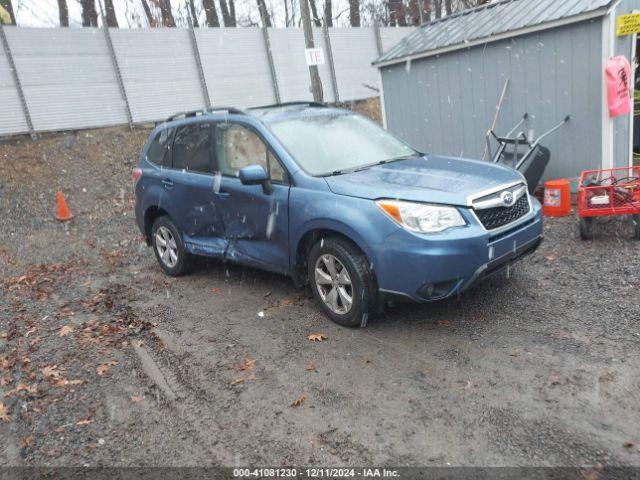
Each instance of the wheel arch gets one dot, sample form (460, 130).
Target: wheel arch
(312, 234)
(151, 214)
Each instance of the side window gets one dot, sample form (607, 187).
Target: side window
(159, 152)
(238, 146)
(192, 148)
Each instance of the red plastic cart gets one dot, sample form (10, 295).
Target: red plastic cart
(613, 191)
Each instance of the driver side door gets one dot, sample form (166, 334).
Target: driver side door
(256, 223)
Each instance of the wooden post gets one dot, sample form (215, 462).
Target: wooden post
(314, 74)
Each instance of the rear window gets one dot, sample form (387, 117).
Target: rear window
(159, 151)
(192, 148)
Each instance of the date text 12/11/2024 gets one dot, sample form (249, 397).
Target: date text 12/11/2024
(315, 473)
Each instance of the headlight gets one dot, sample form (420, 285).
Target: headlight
(421, 217)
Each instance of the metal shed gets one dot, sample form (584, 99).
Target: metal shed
(441, 84)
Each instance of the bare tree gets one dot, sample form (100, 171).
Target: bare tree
(89, 13)
(110, 12)
(166, 13)
(63, 13)
(211, 13)
(447, 7)
(354, 13)
(194, 15)
(232, 11)
(264, 14)
(437, 7)
(314, 13)
(147, 11)
(396, 15)
(228, 19)
(328, 14)
(9, 8)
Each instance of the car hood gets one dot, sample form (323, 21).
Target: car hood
(429, 178)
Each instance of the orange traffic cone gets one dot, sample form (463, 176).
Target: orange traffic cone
(63, 214)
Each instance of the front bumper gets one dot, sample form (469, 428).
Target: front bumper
(426, 268)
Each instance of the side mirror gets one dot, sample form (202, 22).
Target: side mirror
(255, 175)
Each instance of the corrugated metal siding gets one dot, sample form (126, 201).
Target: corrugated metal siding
(445, 104)
(354, 70)
(159, 72)
(293, 74)
(12, 119)
(235, 66)
(67, 77)
(487, 21)
(622, 125)
(390, 36)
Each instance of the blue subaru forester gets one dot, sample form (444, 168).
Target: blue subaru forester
(329, 198)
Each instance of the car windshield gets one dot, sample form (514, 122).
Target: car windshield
(332, 144)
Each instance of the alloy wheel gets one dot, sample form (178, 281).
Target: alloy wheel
(334, 284)
(166, 246)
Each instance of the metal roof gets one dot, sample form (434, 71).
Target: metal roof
(484, 23)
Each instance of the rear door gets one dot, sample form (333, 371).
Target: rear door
(192, 182)
(255, 223)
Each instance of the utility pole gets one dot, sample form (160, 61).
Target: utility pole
(316, 84)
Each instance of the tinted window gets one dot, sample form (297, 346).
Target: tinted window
(238, 146)
(159, 151)
(192, 148)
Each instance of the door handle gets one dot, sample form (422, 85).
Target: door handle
(167, 182)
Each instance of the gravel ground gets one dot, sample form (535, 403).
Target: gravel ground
(106, 361)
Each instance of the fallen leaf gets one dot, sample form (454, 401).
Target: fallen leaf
(299, 401)
(67, 383)
(311, 367)
(445, 323)
(554, 380)
(215, 290)
(104, 367)
(51, 371)
(629, 444)
(5, 381)
(4, 412)
(84, 422)
(27, 442)
(137, 398)
(238, 380)
(317, 337)
(21, 387)
(66, 330)
(550, 258)
(139, 343)
(248, 364)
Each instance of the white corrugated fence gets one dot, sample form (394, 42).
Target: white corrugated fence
(69, 80)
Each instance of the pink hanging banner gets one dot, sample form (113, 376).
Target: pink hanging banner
(618, 74)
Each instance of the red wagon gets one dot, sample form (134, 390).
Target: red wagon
(613, 191)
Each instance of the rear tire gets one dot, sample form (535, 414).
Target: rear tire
(585, 227)
(342, 282)
(169, 247)
(636, 222)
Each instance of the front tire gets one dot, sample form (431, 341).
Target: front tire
(341, 281)
(585, 228)
(636, 226)
(169, 248)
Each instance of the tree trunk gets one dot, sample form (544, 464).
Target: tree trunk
(438, 8)
(264, 14)
(63, 12)
(211, 13)
(147, 11)
(427, 10)
(226, 16)
(232, 11)
(89, 13)
(395, 13)
(328, 13)
(314, 13)
(447, 7)
(9, 8)
(112, 21)
(167, 14)
(354, 13)
(194, 15)
(314, 75)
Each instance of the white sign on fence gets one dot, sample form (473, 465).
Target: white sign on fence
(314, 56)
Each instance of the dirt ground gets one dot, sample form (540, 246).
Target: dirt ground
(106, 361)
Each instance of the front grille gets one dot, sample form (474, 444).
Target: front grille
(497, 217)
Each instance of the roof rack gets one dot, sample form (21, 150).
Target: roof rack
(291, 104)
(194, 113)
